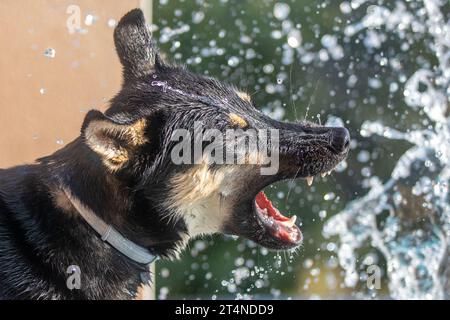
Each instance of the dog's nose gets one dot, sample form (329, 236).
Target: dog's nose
(340, 139)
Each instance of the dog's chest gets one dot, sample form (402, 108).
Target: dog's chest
(144, 292)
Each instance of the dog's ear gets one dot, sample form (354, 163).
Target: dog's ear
(114, 142)
(136, 49)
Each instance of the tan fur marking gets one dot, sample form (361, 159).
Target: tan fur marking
(120, 157)
(255, 158)
(138, 132)
(134, 134)
(144, 292)
(98, 137)
(61, 201)
(244, 96)
(237, 120)
(197, 195)
(196, 184)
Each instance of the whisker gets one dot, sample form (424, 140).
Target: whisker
(311, 98)
(290, 92)
(291, 186)
(286, 261)
(252, 94)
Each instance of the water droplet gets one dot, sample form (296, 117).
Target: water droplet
(162, 84)
(165, 272)
(50, 53)
(308, 263)
(112, 23)
(363, 156)
(281, 10)
(294, 39)
(198, 17)
(329, 196)
(322, 214)
(345, 7)
(233, 61)
(268, 68)
(90, 19)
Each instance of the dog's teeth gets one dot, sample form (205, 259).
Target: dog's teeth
(329, 172)
(291, 222)
(309, 180)
(323, 175)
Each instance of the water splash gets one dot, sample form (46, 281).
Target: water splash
(407, 218)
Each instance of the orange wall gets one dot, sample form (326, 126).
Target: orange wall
(84, 74)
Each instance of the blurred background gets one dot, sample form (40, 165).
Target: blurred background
(381, 68)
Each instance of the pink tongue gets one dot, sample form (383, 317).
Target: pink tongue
(264, 203)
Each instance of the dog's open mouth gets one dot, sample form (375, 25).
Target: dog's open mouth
(259, 220)
(253, 214)
(280, 227)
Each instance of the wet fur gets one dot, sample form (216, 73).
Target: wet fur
(120, 168)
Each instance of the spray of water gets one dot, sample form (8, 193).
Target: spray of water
(407, 218)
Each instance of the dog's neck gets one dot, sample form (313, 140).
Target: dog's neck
(112, 201)
(115, 199)
(110, 235)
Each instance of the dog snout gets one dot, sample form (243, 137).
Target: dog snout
(340, 139)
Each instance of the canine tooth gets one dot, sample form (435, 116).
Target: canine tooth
(309, 180)
(323, 175)
(329, 172)
(291, 222)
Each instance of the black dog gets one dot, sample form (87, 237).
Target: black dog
(113, 199)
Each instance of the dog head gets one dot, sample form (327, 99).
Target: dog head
(167, 130)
